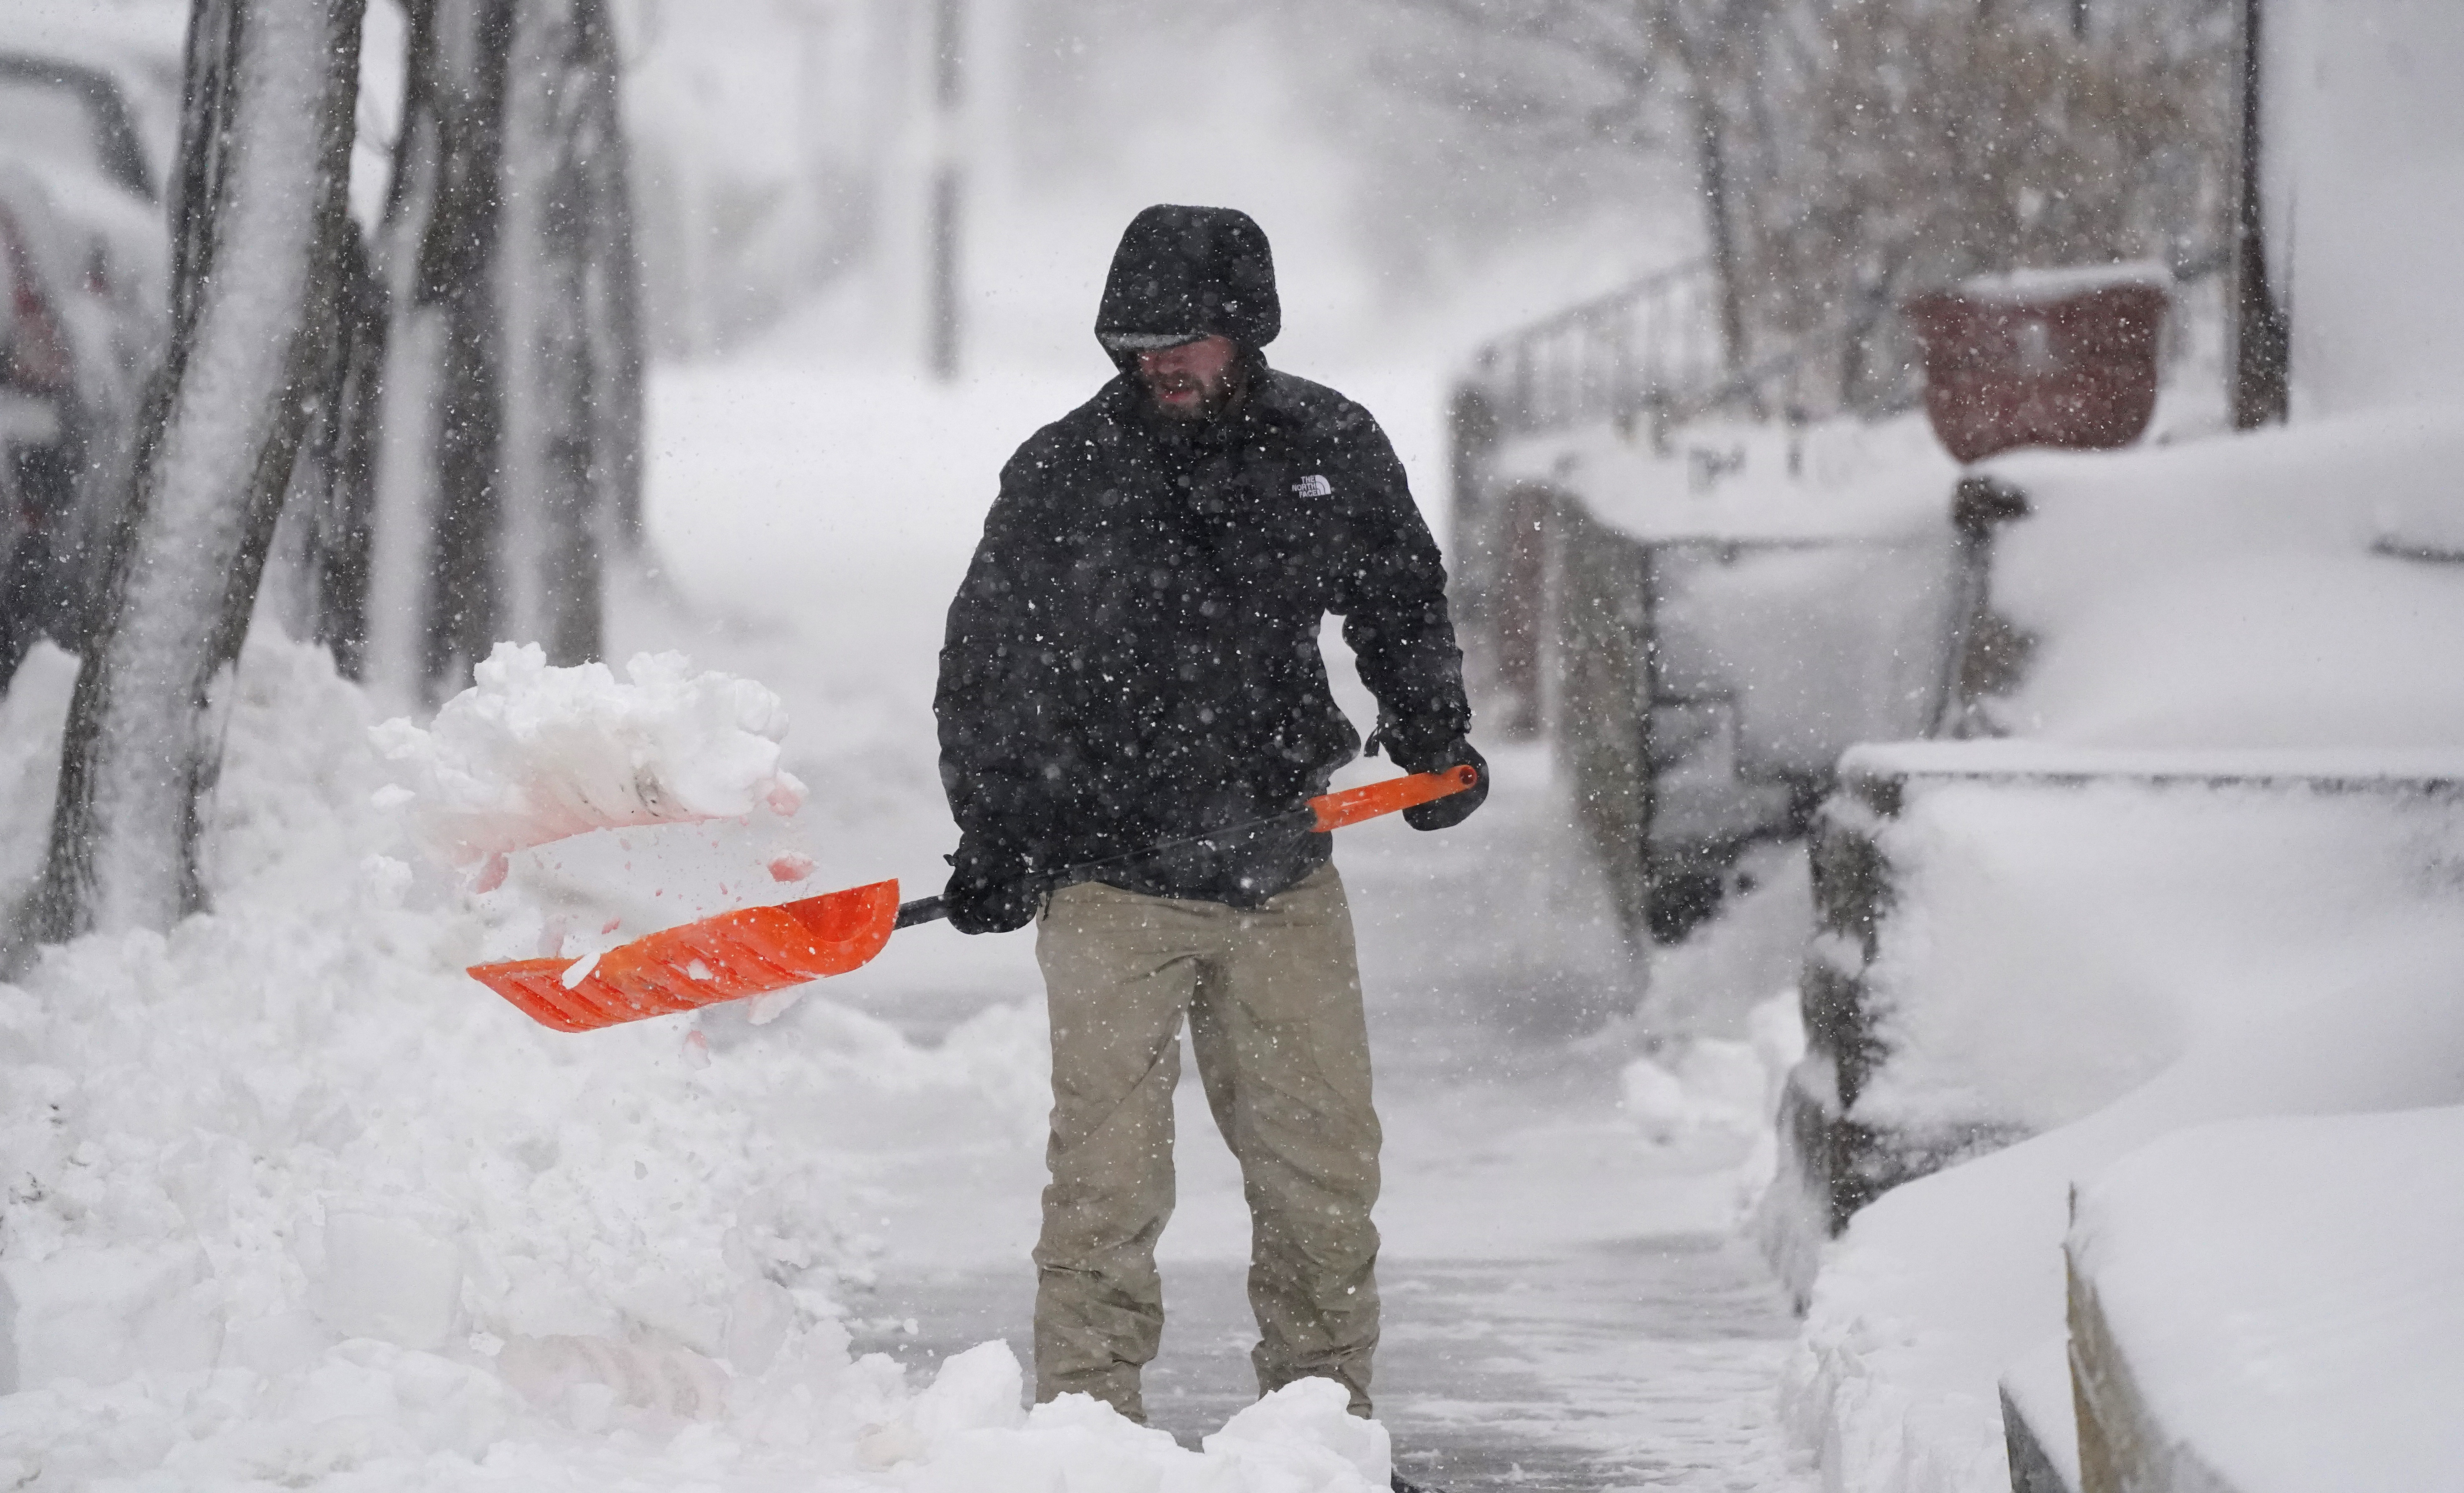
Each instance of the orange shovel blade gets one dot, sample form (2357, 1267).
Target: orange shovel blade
(750, 952)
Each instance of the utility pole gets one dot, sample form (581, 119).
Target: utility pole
(942, 208)
(2262, 334)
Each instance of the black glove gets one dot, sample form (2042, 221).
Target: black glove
(1454, 807)
(992, 889)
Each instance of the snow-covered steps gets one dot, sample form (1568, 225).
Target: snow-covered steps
(2011, 936)
(2288, 587)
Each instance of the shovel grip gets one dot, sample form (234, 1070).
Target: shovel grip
(1335, 810)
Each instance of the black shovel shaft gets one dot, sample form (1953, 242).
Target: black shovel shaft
(926, 909)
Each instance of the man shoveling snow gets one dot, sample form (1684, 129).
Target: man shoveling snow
(1132, 660)
(1130, 666)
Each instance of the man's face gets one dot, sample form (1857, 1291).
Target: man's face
(1194, 380)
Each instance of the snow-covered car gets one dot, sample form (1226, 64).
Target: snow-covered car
(83, 275)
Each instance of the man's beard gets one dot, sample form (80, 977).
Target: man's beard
(1212, 400)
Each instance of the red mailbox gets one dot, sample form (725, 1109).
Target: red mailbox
(2064, 357)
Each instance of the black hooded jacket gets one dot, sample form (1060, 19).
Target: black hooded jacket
(1133, 655)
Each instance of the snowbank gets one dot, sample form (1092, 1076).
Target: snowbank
(531, 754)
(292, 1201)
(2273, 1303)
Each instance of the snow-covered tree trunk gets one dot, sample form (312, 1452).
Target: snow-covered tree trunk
(548, 556)
(614, 287)
(457, 267)
(513, 398)
(339, 465)
(316, 579)
(258, 220)
(407, 397)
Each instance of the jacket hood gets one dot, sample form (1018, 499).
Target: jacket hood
(1184, 272)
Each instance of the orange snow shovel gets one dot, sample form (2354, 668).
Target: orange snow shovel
(755, 950)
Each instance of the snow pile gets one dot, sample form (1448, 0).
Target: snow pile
(2106, 963)
(1712, 1101)
(1717, 981)
(968, 1432)
(1712, 1085)
(292, 1201)
(531, 754)
(2278, 1301)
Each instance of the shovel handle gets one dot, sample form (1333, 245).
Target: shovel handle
(1335, 810)
(1328, 812)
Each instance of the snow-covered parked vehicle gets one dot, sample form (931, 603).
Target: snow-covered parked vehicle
(83, 268)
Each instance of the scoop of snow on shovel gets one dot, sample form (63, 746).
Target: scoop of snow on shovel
(531, 754)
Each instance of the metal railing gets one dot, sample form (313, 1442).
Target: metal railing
(1646, 346)
(1651, 354)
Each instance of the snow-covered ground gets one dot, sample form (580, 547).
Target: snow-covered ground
(291, 1200)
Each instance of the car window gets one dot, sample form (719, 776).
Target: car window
(49, 121)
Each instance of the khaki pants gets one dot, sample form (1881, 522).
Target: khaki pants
(1273, 1000)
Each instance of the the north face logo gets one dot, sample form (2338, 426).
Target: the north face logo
(1313, 486)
